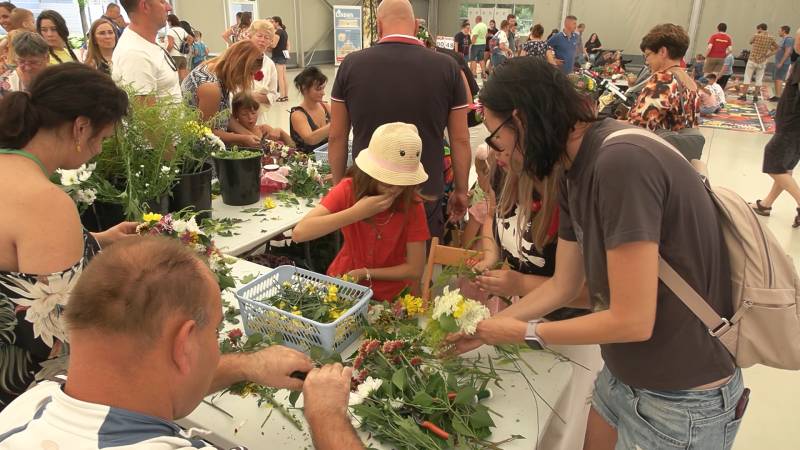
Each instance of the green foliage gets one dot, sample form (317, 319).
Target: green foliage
(142, 160)
(236, 153)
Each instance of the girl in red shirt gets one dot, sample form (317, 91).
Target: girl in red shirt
(380, 212)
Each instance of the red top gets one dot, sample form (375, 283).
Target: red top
(719, 44)
(362, 248)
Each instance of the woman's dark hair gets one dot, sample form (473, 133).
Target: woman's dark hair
(548, 106)
(593, 37)
(668, 35)
(247, 19)
(187, 27)
(279, 21)
(61, 29)
(555, 31)
(310, 76)
(58, 96)
(464, 23)
(173, 20)
(537, 30)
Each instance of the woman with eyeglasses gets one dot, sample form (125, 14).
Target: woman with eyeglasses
(32, 56)
(628, 203)
(669, 100)
(102, 41)
(53, 28)
(209, 86)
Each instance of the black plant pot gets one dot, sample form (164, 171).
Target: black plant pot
(193, 190)
(158, 206)
(102, 216)
(239, 180)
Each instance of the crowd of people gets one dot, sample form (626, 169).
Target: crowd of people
(581, 209)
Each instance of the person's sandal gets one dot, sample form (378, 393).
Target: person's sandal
(796, 219)
(761, 210)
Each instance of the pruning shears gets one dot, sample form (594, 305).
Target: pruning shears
(428, 425)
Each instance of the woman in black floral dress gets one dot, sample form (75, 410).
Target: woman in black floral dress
(43, 248)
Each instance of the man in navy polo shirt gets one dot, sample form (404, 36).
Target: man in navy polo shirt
(565, 45)
(399, 80)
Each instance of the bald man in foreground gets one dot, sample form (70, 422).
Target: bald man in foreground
(399, 80)
(143, 321)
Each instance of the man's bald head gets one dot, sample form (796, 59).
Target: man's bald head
(396, 17)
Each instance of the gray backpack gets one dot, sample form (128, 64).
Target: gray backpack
(765, 326)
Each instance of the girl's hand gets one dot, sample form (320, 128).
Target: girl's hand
(357, 274)
(505, 283)
(374, 204)
(484, 264)
(496, 330)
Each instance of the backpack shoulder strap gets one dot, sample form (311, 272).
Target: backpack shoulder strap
(716, 325)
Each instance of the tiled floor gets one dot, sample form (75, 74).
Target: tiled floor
(734, 160)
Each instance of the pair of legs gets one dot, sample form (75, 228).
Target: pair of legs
(779, 75)
(476, 56)
(756, 69)
(781, 155)
(282, 90)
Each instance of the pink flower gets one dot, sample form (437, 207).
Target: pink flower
(358, 362)
(392, 346)
(369, 346)
(235, 334)
(362, 376)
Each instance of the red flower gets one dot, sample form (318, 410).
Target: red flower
(358, 362)
(258, 76)
(392, 346)
(368, 347)
(415, 361)
(234, 334)
(362, 376)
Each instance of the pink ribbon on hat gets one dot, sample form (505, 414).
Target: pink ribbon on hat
(388, 165)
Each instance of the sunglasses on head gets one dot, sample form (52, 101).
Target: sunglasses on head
(491, 137)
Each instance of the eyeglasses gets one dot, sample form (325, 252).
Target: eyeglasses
(31, 63)
(491, 137)
(169, 59)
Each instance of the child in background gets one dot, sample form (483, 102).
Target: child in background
(697, 66)
(709, 104)
(380, 212)
(716, 89)
(727, 71)
(245, 113)
(479, 199)
(199, 49)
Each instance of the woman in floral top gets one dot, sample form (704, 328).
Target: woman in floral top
(44, 249)
(669, 99)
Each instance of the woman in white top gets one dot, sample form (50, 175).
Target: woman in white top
(265, 86)
(502, 51)
(176, 36)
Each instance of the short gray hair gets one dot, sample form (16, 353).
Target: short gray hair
(27, 44)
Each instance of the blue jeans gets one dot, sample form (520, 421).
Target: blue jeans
(646, 419)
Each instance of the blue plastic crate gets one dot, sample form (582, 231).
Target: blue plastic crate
(259, 316)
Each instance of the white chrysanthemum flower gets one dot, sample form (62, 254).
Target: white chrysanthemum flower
(473, 312)
(69, 177)
(446, 303)
(355, 399)
(87, 196)
(396, 403)
(165, 169)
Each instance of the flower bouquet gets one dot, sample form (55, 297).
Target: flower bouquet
(453, 313)
(75, 183)
(183, 226)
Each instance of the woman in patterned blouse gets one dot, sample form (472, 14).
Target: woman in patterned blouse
(669, 99)
(537, 46)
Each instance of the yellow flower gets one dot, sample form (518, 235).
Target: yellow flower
(333, 289)
(335, 314)
(460, 309)
(297, 312)
(151, 217)
(269, 203)
(413, 305)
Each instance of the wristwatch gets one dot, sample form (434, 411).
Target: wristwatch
(531, 338)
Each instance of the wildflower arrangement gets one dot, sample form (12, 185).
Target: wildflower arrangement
(407, 398)
(75, 183)
(452, 313)
(305, 180)
(202, 143)
(184, 227)
(320, 303)
(280, 152)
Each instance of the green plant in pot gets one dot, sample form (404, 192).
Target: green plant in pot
(239, 173)
(140, 163)
(193, 189)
